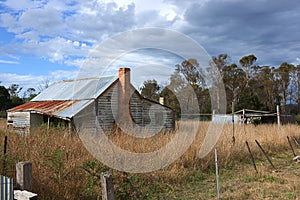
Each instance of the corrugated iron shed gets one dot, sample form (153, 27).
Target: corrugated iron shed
(81, 89)
(64, 99)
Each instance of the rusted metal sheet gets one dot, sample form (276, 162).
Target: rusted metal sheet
(44, 107)
(88, 88)
(62, 109)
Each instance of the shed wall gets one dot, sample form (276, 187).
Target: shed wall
(144, 113)
(19, 121)
(36, 120)
(104, 108)
(158, 115)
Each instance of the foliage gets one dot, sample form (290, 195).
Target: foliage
(94, 169)
(3, 114)
(255, 121)
(55, 161)
(29, 94)
(170, 100)
(150, 90)
(4, 98)
(14, 90)
(10, 96)
(283, 74)
(246, 63)
(297, 119)
(15, 101)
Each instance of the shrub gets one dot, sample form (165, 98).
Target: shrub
(297, 119)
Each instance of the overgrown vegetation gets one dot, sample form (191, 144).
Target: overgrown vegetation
(63, 169)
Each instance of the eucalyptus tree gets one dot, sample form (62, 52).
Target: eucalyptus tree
(266, 88)
(297, 82)
(150, 90)
(247, 65)
(5, 100)
(190, 69)
(283, 75)
(234, 79)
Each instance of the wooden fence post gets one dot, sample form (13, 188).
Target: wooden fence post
(107, 186)
(278, 115)
(24, 176)
(296, 141)
(265, 154)
(251, 157)
(232, 110)
(217, 175)
(294, 154)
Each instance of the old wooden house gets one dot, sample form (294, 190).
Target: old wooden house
(110, 100)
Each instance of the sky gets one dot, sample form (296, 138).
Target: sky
(49, 40)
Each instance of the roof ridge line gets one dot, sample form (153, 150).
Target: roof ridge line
(87, 78)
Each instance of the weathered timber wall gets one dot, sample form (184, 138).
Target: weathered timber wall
(19, 121)
(143, 112)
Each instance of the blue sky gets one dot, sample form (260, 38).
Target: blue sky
(49, 39)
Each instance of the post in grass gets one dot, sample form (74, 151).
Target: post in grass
(217, 176)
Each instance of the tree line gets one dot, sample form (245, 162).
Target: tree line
(247, 85)
(15, 95)
(11, 96)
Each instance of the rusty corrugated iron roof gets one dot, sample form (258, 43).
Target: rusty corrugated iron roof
(44, 106)
(62, 109)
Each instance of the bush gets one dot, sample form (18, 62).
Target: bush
(3, 114)
(297, 119)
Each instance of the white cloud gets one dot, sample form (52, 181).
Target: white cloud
(57, 49)
(34, 81)
(25, 81)
(23, 4)
(63, 75)
(9, 62)
(76, 43)
(43, 29)
(45, 21)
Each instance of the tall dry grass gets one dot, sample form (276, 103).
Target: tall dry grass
(64, 169)
(272, 138)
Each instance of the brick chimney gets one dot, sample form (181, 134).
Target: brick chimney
(124, 95)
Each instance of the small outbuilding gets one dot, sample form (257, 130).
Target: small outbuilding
(108, 101)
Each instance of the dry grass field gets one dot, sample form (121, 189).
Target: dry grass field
(64, 169)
